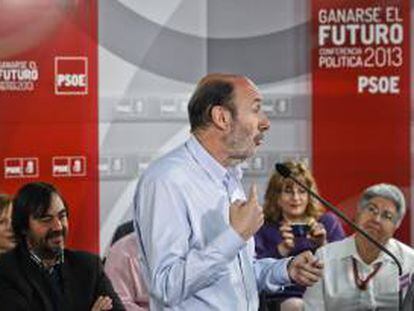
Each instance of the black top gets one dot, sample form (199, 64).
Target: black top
(24, 285)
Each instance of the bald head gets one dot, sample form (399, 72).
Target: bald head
(216, 89)
(215, 77)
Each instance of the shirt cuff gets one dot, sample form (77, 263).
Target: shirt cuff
(284, 275)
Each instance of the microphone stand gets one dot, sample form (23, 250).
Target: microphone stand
(285, 172)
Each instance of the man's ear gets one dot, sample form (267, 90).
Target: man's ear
(221, 117)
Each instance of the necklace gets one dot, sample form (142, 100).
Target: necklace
(359, 282)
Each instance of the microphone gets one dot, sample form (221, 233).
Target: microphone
(283, 170)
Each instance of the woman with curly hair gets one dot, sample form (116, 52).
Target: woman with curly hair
(294, 222)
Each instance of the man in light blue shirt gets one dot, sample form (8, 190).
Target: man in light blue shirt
(194, 223)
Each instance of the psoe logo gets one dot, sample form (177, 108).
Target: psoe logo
(72, 166)
(21, 167)
(71, 75)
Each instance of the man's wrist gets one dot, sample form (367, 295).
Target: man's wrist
(289, 263)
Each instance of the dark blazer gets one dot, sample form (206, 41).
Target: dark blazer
(23, 285)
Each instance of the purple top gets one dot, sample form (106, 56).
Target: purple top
(268, 237)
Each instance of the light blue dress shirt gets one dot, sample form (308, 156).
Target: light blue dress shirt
(192, 259)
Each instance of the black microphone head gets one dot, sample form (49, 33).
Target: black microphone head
(283, 169)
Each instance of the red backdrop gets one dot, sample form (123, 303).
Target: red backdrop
(361, 116)
(48, 104)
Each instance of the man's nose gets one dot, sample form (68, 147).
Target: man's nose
(377, 217)
(57, 224)
(264, 123)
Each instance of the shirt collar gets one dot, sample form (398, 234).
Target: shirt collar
(38, 261)
(217, 171)
(351, 251)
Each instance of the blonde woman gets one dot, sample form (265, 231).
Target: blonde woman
(294, 222)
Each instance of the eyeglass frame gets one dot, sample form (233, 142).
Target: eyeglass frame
(385, 215)
(290, 190)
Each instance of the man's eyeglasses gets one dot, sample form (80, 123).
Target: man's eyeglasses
(384, 215)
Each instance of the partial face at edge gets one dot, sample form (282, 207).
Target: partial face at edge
(6, 232)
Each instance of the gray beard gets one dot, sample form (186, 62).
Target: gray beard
(237, 155)
(235, 161)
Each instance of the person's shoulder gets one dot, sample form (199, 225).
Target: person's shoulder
(80, 257)
(268, 227)
(127, 240)
(336, 250)
(11, 268)
(8, 260)
(167, 165)
(328, 217)
(127, 244)
(403, 249)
